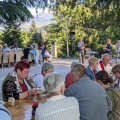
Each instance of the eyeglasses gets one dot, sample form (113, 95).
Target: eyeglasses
(107, 59)
(26, 72)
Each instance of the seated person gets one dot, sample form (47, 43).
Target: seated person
(17, 83)
(68, 79)
(103, 79)
(57, 107)
(94, 103)
(4, 113)
(5, 48)
(26, 52)
(46, 53)
(32, 51)
(91, 68)
(42, 53)
(116, 72)
(38, 78)
(104, 64)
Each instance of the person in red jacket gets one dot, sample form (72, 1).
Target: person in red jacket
(68, 79)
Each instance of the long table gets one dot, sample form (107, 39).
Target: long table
(22, 110)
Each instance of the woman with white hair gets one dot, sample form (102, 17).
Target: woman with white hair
(58, 106)
(38, 78)
(91, 68)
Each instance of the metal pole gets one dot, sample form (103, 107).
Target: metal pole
(67, 40)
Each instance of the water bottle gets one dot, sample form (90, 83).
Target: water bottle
(35, 104)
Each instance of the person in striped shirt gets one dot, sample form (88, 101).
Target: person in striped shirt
(58, 106)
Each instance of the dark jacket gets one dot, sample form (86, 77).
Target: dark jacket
(109, 49)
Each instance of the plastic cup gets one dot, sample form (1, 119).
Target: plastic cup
(11, 101)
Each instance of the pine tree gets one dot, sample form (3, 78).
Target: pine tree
(33, 28)
(11, 34)
(35, 35)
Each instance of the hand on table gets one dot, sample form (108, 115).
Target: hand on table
(32, 91)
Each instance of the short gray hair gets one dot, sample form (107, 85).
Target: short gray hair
(46, 66)
(53, 82)
(74, 63)
(78, 70)
(106, 54)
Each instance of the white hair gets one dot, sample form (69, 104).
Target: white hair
(105, 55)
(53, 82)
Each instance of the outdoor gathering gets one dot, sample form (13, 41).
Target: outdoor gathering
(59, 60)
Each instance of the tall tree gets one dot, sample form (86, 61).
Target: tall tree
(17, 10)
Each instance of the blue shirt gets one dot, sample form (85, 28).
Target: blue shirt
(4, 115)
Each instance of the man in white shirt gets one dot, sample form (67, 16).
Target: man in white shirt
(80, 46)
(38, 78)
(104, 64)
(58, 106)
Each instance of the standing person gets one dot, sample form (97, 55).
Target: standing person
(94, 103)
(108, 48)
(103, 79)
(80, 46)
(117, 50)
(58, 106)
